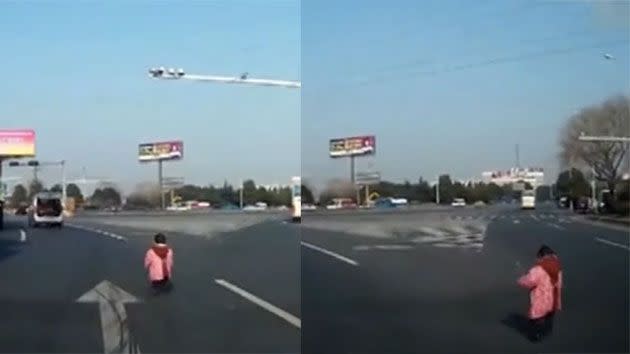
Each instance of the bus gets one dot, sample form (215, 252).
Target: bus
(296, 199)
(528, 199)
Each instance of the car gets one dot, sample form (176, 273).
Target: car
(21, 210)
(459, 202)
(47, 209)
(308, 207)
(582, 205)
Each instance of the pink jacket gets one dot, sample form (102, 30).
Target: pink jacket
(541, 291)
(158, 262)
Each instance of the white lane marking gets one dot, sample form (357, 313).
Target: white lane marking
(382, 247)
(612, 243)
(556, 226)
(330, 253)
(260, 302)
(535, 218)
(22, 235)
(99, 231)
(432, 231)
(516, 221)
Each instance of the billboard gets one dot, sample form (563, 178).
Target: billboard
(353, 146)
(165, 150)
(17, 143)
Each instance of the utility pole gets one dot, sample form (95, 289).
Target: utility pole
(437, 191)
(161, 185)
(518, 157)
(240, 195)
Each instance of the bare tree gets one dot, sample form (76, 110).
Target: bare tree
(611, 118)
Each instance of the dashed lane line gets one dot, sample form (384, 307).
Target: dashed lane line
(99, 231)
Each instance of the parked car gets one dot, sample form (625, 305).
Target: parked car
(459, 202)
(582, 205)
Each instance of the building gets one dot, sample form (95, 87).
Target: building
(533, 175)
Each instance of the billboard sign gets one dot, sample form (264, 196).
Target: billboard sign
(17, 143)
(166, 150)
(353, 146)
(368, 178)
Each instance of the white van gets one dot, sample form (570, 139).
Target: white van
(47, 209)
(528, 199)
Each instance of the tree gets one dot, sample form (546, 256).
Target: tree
(250, 193)
(105, 197)
(611, 118)
(19, 196)
(422, 191)
(572, 184)
(34, 187)
(446, 189)
(56, 188)
(307, 195)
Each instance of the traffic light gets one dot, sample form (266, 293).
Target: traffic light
(14, 164)
(33, 163)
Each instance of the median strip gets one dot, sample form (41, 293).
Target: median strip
(330, 253)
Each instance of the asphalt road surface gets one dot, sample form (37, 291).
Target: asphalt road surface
(338, 283)
(395, 286)
(237, 292)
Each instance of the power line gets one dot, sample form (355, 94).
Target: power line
(494, 61)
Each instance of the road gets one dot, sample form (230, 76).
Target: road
(234, 292)
(365, 282)
(438, 283)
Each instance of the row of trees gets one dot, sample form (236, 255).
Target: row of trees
(102, 197)
(423, 192)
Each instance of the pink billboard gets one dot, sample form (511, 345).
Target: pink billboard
(17, 143)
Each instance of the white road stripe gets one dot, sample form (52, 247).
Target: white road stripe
(535, 218)
(516, 221)
(260, 302)
(556, 226)
(22, 235)
(612, 243)
(98, 231)
(330, 253)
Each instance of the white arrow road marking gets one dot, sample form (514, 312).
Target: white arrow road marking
(114, 323)
(260, 302)
(612, 243)
(382, 247)
(330, 253)
(22, 235)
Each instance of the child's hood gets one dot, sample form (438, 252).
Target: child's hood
(161, 250)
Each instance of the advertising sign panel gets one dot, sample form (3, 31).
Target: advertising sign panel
(17, 143)
(353, 146)
(166, 150)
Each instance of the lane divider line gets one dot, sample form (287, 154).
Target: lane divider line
(295, 321)
(22, 235)
(556, 226)
(330, 253)
(98, 231)
(602, 240)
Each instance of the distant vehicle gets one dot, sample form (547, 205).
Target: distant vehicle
(582, 205)
(46, 209)
(308, 207)
(399, 201)
(528, 199)
(563, 202)
(21, 210)
(459, 202)
(260, 206)
(296, 199)
(384, 203)
(229, 206)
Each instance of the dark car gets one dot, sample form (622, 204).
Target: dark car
(21, 210)
(582, 205)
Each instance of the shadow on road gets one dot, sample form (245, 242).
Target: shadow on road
(518, 322)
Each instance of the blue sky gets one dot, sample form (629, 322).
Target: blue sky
(387, 68)
(415, 74)
(76, 73)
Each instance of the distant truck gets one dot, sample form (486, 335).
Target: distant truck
(528, 199)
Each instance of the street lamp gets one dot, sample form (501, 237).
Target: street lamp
(162, 73)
